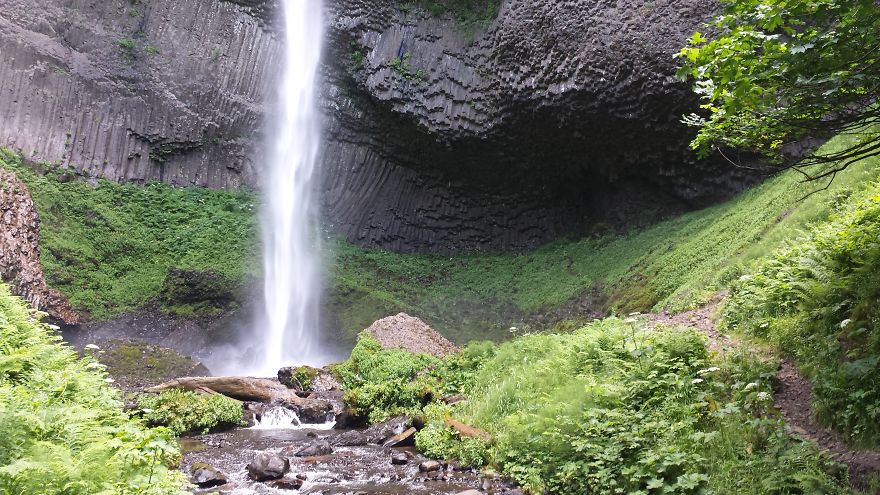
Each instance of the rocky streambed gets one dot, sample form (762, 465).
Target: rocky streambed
(316, 459)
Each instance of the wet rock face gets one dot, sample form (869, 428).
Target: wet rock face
(159, 90)
(20, 251)
(553, 118)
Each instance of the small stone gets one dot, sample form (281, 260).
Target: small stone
(315, 449)
(287, 483)
(430, 466)
(470, 492)
(399, 458)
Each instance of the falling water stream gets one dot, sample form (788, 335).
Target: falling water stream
(290, 218)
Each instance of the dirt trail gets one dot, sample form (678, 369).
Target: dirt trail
(792, 396)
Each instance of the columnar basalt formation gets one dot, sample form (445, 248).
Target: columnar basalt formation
(20, 252)
(553, 117)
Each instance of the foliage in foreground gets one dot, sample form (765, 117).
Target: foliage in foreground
(62, 428)
(190, 413)
(108, 247)
(776, 72)
(818, 299)
(612, 408)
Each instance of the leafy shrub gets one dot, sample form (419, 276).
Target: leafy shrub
(190, 413)
(62, 428)
(381, 383)
(615, 408)
(818, 298)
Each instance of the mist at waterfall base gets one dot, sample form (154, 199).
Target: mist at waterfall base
(286, 330)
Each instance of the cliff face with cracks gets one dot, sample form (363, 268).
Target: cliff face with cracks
(550, 118)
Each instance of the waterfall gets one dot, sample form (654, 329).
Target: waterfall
(291, 250)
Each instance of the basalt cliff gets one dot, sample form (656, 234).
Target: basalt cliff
(446, 131)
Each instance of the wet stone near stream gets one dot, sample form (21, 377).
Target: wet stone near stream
(365, 469)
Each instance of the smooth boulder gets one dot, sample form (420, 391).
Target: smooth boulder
(267, 466)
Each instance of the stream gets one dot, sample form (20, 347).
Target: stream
(361, 470)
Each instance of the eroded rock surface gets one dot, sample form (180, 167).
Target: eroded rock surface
(411, 334)
(20, 251)
(556, 117)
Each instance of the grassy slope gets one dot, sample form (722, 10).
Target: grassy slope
(62, 428)
(818, 299)
(675, 264)
(108, 246)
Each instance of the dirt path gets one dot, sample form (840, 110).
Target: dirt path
(792, 396)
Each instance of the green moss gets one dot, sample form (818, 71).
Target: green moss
(62, 428)
(138, 365)
(191, 413)
(109, 247)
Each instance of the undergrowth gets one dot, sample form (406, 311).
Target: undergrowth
(62, 428)
(108, 247)
(818, 299)
(610, 408)
(186, 413)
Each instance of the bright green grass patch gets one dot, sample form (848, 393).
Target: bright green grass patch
(818, 299)
(62, 428)
(108, 247)
(677, 263)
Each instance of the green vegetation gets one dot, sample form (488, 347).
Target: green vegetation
(610, 408)
(818, 299)
(127, 48)
(379, 383)
(776, 72)
(62, 428)
(469, 14)
(675, 264)
(109, 247)
(190, 413)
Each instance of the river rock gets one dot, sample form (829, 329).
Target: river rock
(411, 334)
(319, 448)
(206, 476)
(399, 458)
(351, 438)
(430, 466)
(470, 492)
(287, 483)
(267, 466)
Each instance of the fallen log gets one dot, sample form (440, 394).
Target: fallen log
(467, 431)
(236, 387)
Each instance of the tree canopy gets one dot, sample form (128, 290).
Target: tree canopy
(779, 76)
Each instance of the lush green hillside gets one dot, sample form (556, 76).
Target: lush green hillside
(108, 246)
(676, 264)
(62, 428)
(817, 298)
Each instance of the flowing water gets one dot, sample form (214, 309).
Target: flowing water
(291, 244)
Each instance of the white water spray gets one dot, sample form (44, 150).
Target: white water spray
(290, 217)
